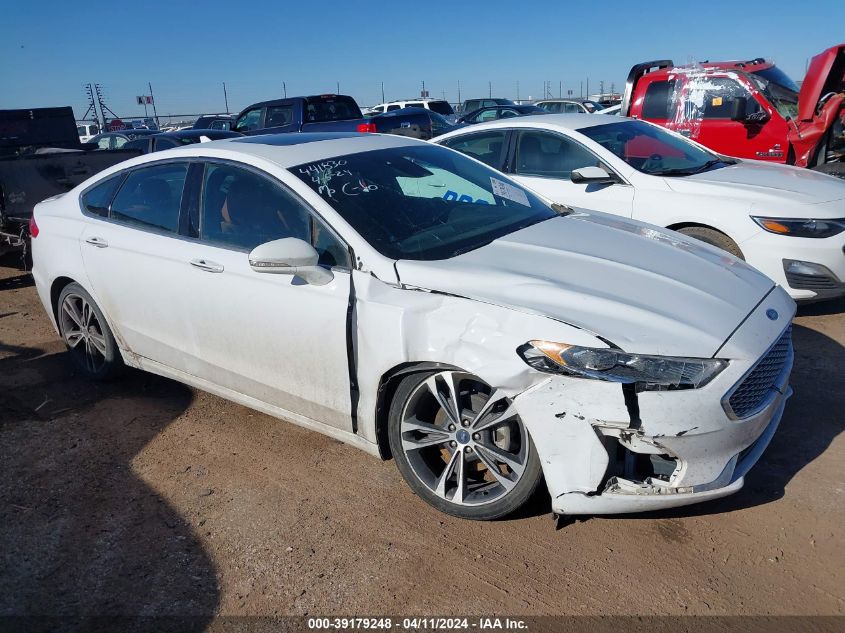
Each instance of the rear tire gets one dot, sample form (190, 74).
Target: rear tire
(87, 335)
(714, 238)
(469, 456)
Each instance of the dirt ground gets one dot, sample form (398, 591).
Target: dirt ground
(144, 496)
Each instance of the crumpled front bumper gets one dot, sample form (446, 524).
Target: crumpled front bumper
(598, 445)
(619, 497)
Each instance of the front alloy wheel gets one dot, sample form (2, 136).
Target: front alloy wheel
(461, 445)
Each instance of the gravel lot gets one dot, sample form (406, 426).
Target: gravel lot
(144, 496)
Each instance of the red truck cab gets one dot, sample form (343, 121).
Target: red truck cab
(749, 109)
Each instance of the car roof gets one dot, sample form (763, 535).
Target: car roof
(288, 150)
(191, 133)
(562, 121)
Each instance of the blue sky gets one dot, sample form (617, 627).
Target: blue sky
(49, 50)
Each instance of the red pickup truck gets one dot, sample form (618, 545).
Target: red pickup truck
(749, 109)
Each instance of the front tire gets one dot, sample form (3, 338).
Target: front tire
(87, 335)
(461, 446)
(714, 238)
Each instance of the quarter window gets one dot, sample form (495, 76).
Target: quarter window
(551, 156)
(151, 197)
(485, 146)
(97, 200)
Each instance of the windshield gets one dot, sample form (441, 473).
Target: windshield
(441, 107)
(651, 150)
(592, 106)
(779, 89)
(421, 202)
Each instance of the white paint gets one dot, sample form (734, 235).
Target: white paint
(278, 345)
(723, 199)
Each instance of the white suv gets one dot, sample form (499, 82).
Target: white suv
(435, 105)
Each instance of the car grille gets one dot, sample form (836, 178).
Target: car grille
(753, 392)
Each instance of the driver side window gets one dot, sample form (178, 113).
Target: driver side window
(249, 121)
(241, 209)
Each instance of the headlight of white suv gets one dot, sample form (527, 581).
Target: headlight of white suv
(650, 373)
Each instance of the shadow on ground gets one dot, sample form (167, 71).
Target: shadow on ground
(81, 533)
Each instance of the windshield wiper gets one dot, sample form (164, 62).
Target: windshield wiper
(687, 171)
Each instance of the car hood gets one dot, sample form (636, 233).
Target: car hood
(768, 186)
(641, 288)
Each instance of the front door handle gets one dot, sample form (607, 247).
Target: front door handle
(99, 242)
(207, 266)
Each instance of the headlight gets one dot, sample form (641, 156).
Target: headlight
(801, 227)
(651, 373)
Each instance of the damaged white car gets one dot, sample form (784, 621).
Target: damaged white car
(410, 301)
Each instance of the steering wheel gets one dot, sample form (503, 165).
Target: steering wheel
(655, 160)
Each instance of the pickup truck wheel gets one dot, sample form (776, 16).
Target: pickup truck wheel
(461, 445)
(834, 169)
(89, 340)
(714, 238)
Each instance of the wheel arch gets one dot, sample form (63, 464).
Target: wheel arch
(59, 284)
(387, 386)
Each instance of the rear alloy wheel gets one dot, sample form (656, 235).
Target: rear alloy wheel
(87, 335)
(461, 445)
(714, 238)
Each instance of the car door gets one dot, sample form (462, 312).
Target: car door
(270, 337)
(131, 253)
(544, 161)
(249, 121)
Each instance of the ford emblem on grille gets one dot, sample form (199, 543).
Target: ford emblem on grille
(772, 314)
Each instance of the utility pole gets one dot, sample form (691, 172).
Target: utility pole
(601, 87)
(153, 99)
(582, 88)
(382, 92)
(225, 98)
(490, 89)
(423, 94)
(285, 89)
(338, 88)
(517, 91)
(459, 93)
(588, 87)
(560, 89)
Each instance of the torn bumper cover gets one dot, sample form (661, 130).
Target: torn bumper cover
(607, 452)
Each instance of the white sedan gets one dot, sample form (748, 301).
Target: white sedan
(413, 302)
(787, 222)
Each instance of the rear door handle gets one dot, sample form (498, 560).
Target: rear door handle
(206, 265)
(99, 242)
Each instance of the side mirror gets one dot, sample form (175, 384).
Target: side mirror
(740, 108)
(595, 175)
(290, 256)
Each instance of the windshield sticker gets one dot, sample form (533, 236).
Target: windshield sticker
(509, 192)
(452, 196)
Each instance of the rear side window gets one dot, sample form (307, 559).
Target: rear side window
(658, 95)
(330, 108)
(392, 107)
(484, 146)
(151, 197)
(97, 200)
(279, 115)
